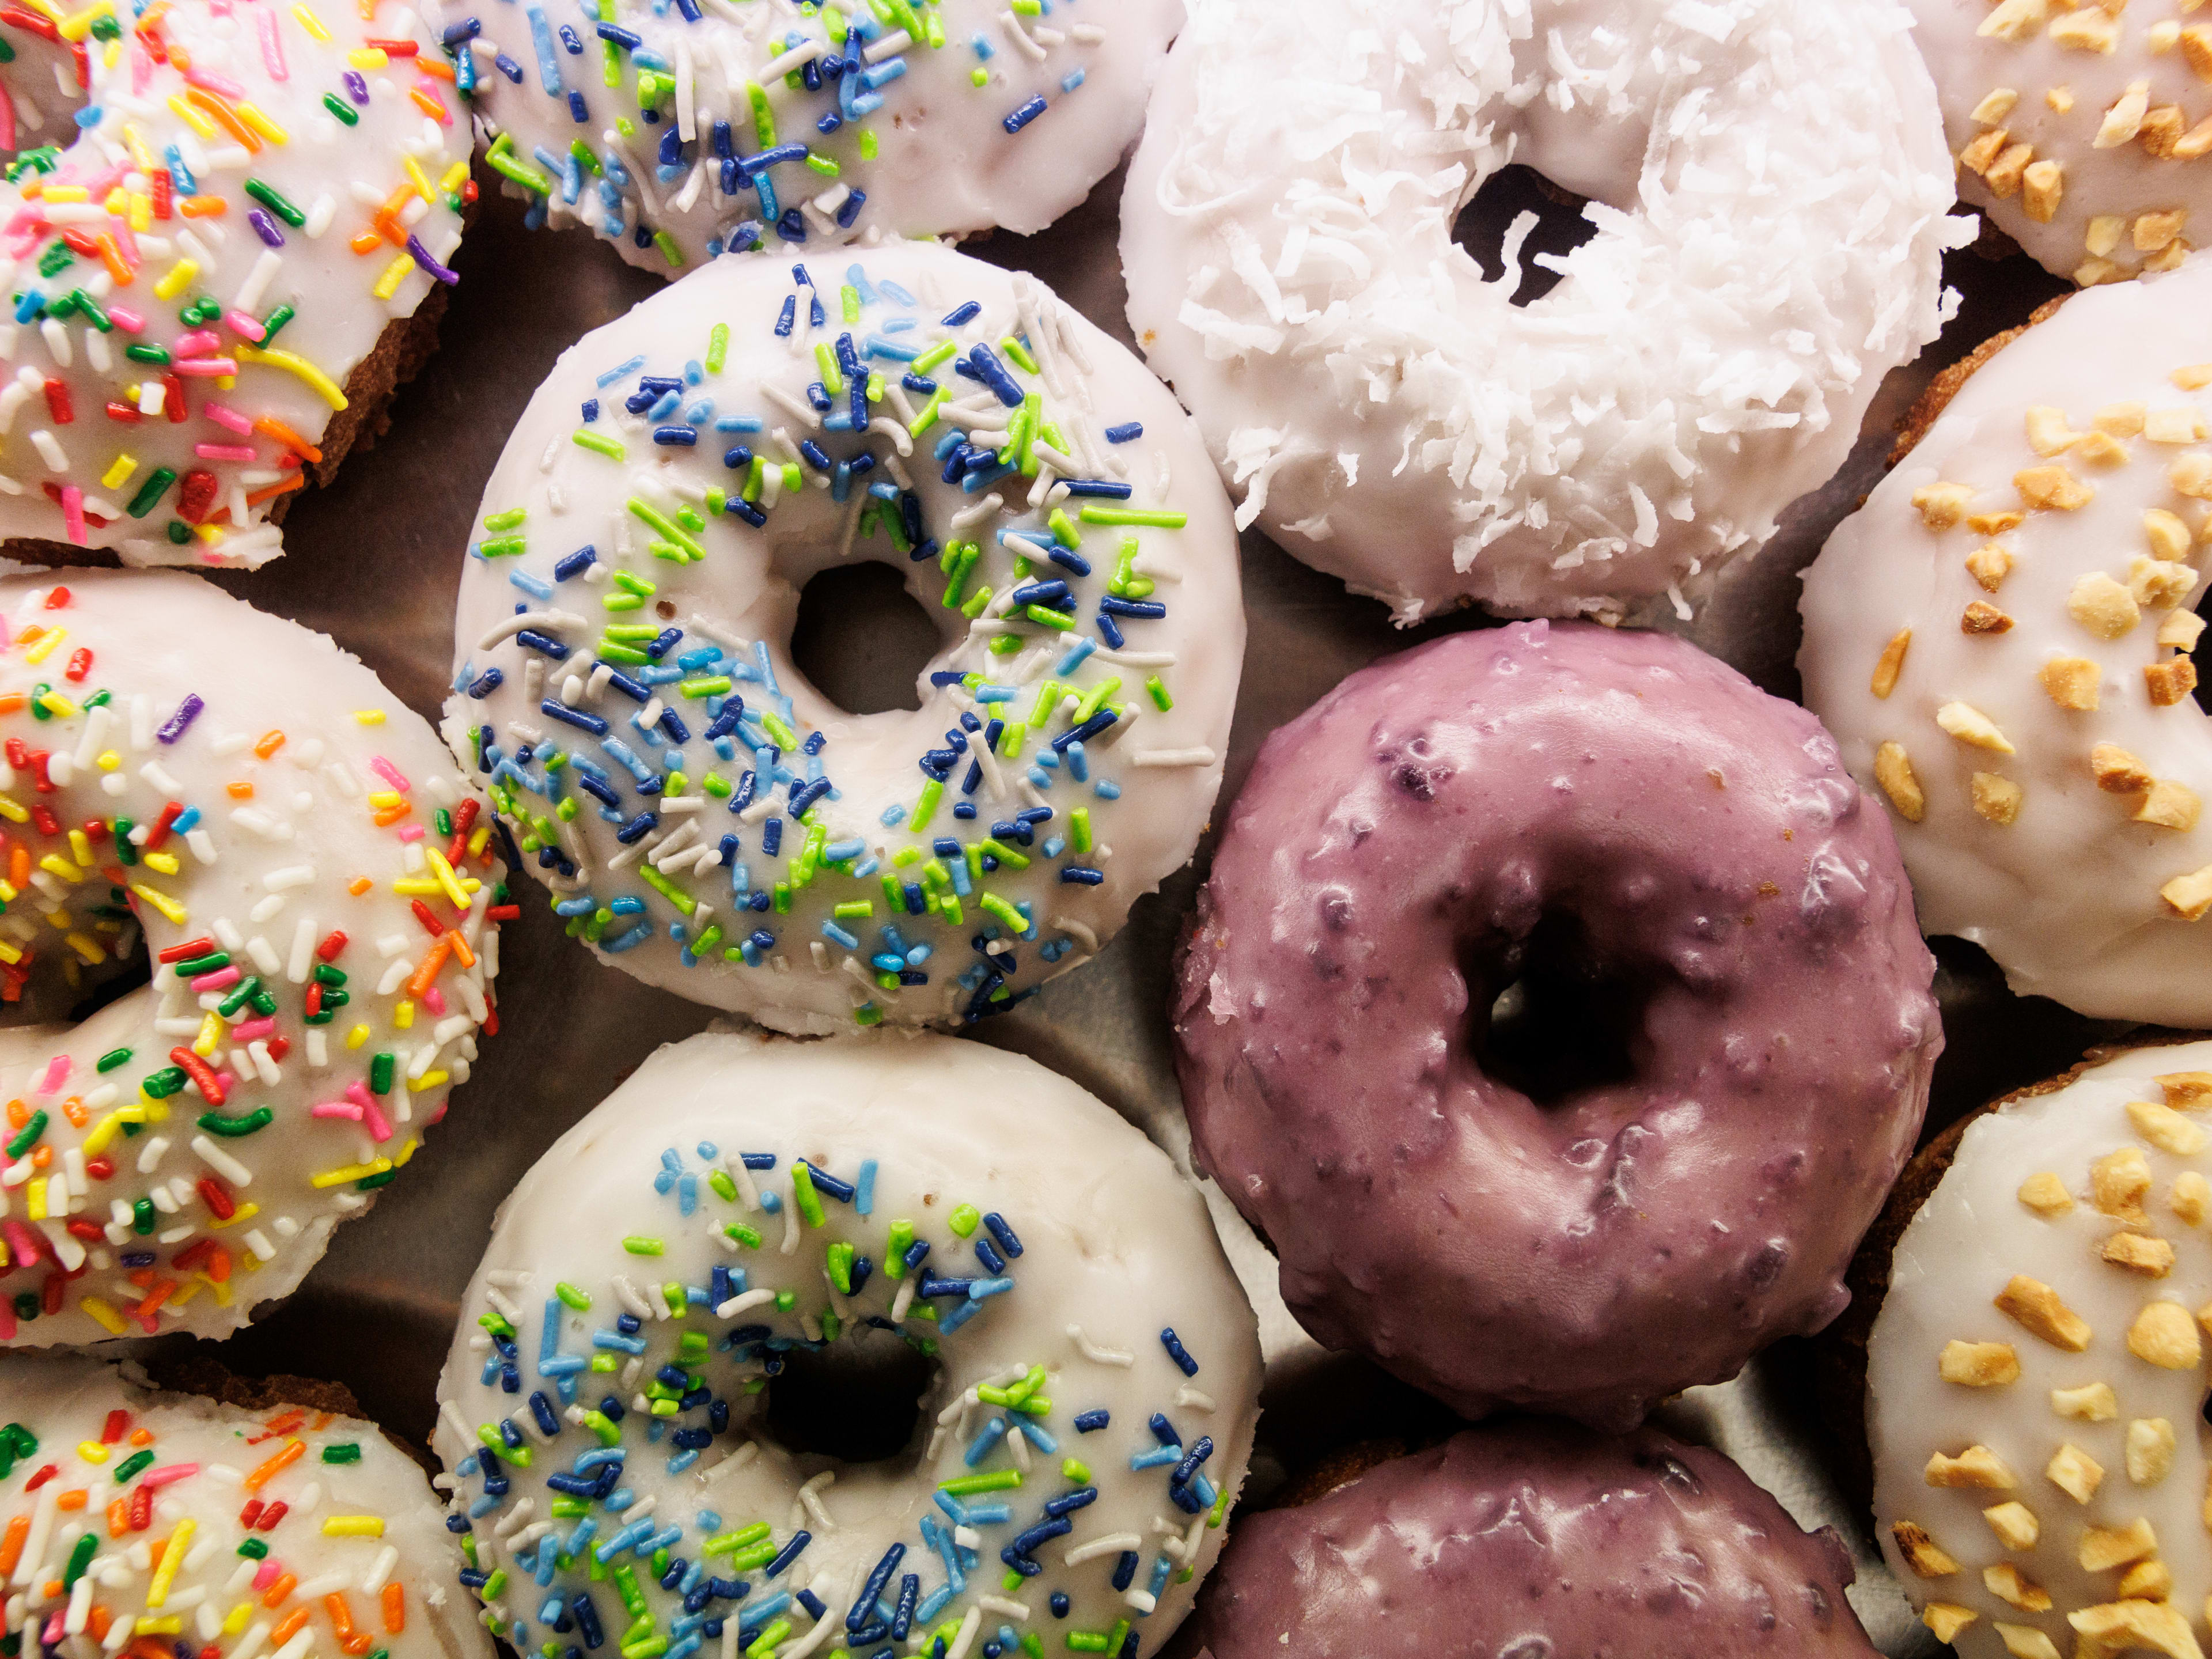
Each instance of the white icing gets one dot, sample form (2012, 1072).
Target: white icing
(819, 971)
(1113, 1240)
(334, 177)
(206, 1471)
(1770, 200)
(2066, 896)
(1968, 1241)
(942, 163)
(2113, 98)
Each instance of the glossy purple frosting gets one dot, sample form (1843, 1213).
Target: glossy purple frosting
(1530, 1541)
(1380, 881)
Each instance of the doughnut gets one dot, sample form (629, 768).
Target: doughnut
(1526, 1540)
(315, 890)
(2075, 130)
(1093, 1366)
(2033, 1384)
(1637, 836)
(220, 260)
(139, 1521)
(1393, 419)
(681, 134)
(2000, 640)
(706, 818)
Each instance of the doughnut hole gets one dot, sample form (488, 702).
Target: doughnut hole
(862, 638)
(67, 973)
(857, 1400)
(1484, 223)
(2201, 656)
(1552, 1020)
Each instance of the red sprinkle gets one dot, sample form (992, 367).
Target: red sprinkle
(329, 949)
(80, 665)
(211, 1090)
(43, 1474)
(58, 404)
(187, 950)
(429, 918)
(217, 1200)
(117, 1424)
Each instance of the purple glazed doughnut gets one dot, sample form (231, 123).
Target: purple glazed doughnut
(1642, 838)
(1531, 1540)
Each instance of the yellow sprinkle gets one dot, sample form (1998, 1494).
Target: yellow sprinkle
(404, 1153)
(211, 532)
(352, 1526)
(10, 954)
(55, 864)
(394, 274)
(81, 848)
(176, 279)
(245, 1213)
(192, 1288)
(160, 901)
(34, 1197)
(313, 24)
(92, 1452)
(110, 761)
(369, 716)
(350, 1172)
(446, 879)
(125, 465)
(424, 887)
(141, 211)
(293, 363)
(54, 703)
(262, 125)
(116, 201)
(75, 27)
(403, 1012)
(480, 840)
(167, 1626)
(102, 1133)
(14, 811)
(210, 1037)
(191, 118)
(368, 57)
(44, 647)
(384, 798)
(240, 1616)
(421, 180)
(93, 955)
(104, 1315)
(357, 1037)
(172, 1557)
(139, 153)
(66, 193)
(47, 9)
(456, 175)
(428, 1081)
(165, 862)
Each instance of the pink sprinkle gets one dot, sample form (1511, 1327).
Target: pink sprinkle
(6, 1309)
(73, 515)
(370, 1112)
(53, 1632)
(438, 1114)
(206, 368)
(223, 414)
(97, 187)
(22, 1243)
(435, 1000)
(267, 1575)
(227, 1080)
(215, 83)
(391, 773)
(252, 1031)
(223, 451)
(57, 1071)
(220, 980)
(198, 343)
(7, 142)
(126, 242)
(142, 65)
(410, 832)
(335, 1108)
(240, 324)
(127, 320)
(168, 1473)
(272, 49)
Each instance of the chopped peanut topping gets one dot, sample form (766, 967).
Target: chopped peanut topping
(1981, 617)
(2093, 1402)
(2086, 31)
(1995, 523)
(2123, 420)
(2007, 172)
(2185, 1090)
(2042, 188)
(2052, 487)
(1942, 504)
(1989, 564)
(2118, 1181)
(2167, 1130)
(2191, 1198)
(2181, 629)
(1893, 770)
(2126, 117)
(2191, 474)
(2048, 433)
(2153, 232)
(2059, 98)
(2103, 606)
(2036, 1306)
(2072, 682)
(2015, 1524)
(1978, 1364)
(2165, 1335)
(2192, 377)
(2196, 49)
(2101, 449)
(2169, 256)
(1891, 663)
(2138, 1252)
(1947, 1619)
(2196, 144)
(2149, 1581)
(2115, 1626)
(1996, 797)
(1993, 109)
(1982, 152)
(2150, 1450)
(2190, 895)
(2161, 132)
(2074, 1473)
(2091, 273)
(2025, 1642)
(1976, 1466)
(1921, 1553)
(2160, 584)
(2007, 1583)
(1969, 724)
(2169, 682)
(2105, 1547)
(2170, 806)
(2168, 536)
(2172, 426)
(2045, 1194)
(2118, 772)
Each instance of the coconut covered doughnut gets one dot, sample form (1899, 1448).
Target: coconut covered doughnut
(211, 268)
(681, 132)
(2000, 640)
(2078, 129)
(187, 778)
(1769, 191)
(743, 1206)
(1555, 806)
(2034, 1378)
(138, 1521)
(705, 817)
(1526, 1539)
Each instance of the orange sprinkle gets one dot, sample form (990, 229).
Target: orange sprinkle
(72, 1499)
(430, 107)
(53, 1588)
(216, 1270)
(427, 975)
(119, 1517)
(275, 1467)
(462, 954)
(142, 1436)
(19, 866)
(149, 1647)
(225, 115)
(160, 1293)
(289, 1625)
(389, 816)
(99, 1620)
(12, 704)
(432, 66)
(111, 257)
(239, 791)
(271, 741)
(351, 1640)
(11, 1545)
(203, 207)
(285, 1584)
(73, 1110)
(357, 886)
(42, 1155)
(324, 1419)
(395, 1607)
(366, 242)
(18, 1114)
(285, 1422)
(283, 435)
(290, 482)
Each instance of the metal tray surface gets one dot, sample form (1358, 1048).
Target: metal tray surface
(375, 562)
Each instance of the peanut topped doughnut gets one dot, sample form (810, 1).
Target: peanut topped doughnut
(2035, 1380)
(1770, 194)
(2079, 129)
(1631, 831)
(2000, 639)
(211, 267)
(681, 132)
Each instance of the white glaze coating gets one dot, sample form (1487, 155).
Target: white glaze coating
(1962, 1250)
(1392, 419)
(271, 72)
(103, 1174)
(2083, 131)
(1114, 1248)
(2070, 896)
(917, 146)
(1145, 784)
(242, 1591)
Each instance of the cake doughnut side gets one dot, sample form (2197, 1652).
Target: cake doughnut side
(187, 779)
(744, 1206)
(1392, 418)
(1524, 1539)
(708, 820)
(1551, 805)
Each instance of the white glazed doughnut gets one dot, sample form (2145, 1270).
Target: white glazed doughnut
(293, 1530)
(255, 801)
(2078, 129)
(678, 131)
(2034, 1378)
(250, 199)
(1097, 1365)
(1999, 640)
(706, 817)
(1394, 420)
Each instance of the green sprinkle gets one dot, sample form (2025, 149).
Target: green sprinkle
(574, 1296)
(1159, 688)
(231, 1128)
(965, 1219)
(1157, 518)
(763, 117)
(610, 447)
(725, 1188)
(346, 1451)
(1075, 1469)
(718, 347)
(80, 1558)
(500, 547)
(501, 159)
(1079, 829)
(339, 107)
(112, 1058)
(1020, 352)
(131, 1465)
(27, 1136)
(939, 353)
(156, 485)
(638, 1244)
(713, 685)
(746, 1236)
(996, 1480)
(254, 1548)
(802, 1188)
(1011, 918)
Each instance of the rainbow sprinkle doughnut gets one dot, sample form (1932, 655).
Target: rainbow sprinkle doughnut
(233, 795)
(748, 1207)
(680, 132)
(709, 821)
(200, 267)
(141, 1525)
